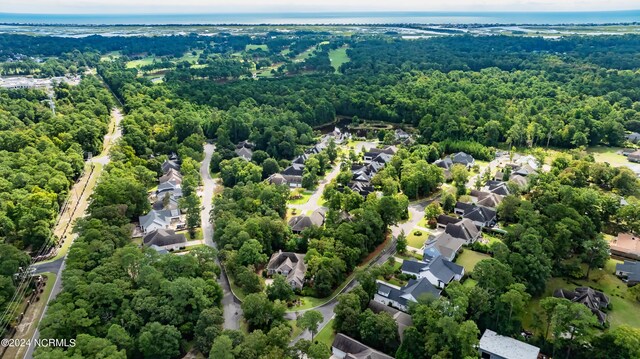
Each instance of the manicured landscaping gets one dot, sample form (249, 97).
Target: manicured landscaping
(141, 62)
(468, 259)
(304, 197)
(624, 309)
(338, 57)
(326, 335)
(417, 238)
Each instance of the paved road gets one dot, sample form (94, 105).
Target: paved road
(231, 308)
(417, 210)
(58, 265)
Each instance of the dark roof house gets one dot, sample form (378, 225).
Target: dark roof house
(289, 264)
(594, 300)
(163, 238)
(442, 245)
(400, 297)
(168, 165)
(466, 230)
(439, 271)
(463, 159)
(244, 153)
(300, 223)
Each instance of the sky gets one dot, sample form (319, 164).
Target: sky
(235, 6)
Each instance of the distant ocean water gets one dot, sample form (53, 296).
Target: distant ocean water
(334, 18)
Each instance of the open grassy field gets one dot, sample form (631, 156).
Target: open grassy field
(256, 47)
(326, 335)
(416, 238)
(305, 54)
(110, 56)
(148, 60)
(468, 259)
(338, 57)
(190, 57)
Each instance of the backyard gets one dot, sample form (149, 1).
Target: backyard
(624, 309)
(468, 259)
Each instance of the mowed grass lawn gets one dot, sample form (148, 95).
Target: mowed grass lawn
(416, 238)
(141, 62)
(468, 259)
(326, 335)
(625, 310)
(256, 47)
(338, 57)
(608, 154)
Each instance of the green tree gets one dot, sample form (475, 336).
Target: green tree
(596, 253)
(401, 243)
(310, 321)
(280, 289)
(460, 175)
(208, 328)
(159, 341)
(222, 348)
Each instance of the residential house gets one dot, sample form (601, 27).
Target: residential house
(497, 187)
(528, 160)
(245, 144)
(401, 135)
(519, 180)
(164, 238)
(170, 164)
(634, 156)
(302, 222)
(466, 230)
(171, 176)
(593, 299)
(374, 152)
(629, 271)
(443, 245)
(400, 297)
(167, 200)
(280, 179)
(438, 271)
(345, 347)
(495, 346)
(289, 264)
(480, 215)
(486, 199)
(169, 186)
(443, 220)
(633, 137)
(463, 158)
(164, 219)
(403, 320)
(626, 245)
(362, 188)
(525, 170)
(244, 153)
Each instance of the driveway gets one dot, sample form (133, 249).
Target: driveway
(231, 308)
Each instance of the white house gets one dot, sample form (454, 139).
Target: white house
(439, 271)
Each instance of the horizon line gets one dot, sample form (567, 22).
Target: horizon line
(274, 12)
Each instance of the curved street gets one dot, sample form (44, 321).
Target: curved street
(231, 307)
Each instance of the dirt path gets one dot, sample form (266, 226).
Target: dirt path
(75, 208)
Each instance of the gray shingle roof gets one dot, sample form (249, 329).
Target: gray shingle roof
(163, 237)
